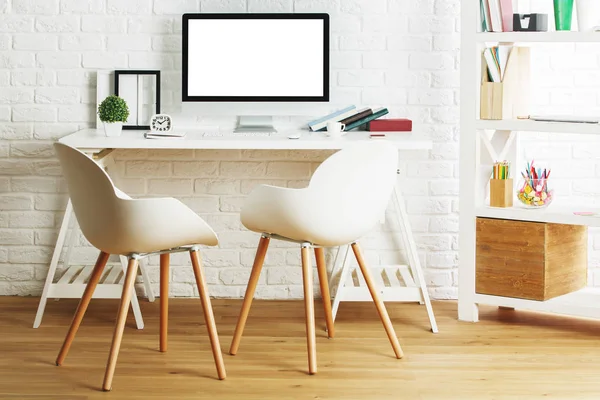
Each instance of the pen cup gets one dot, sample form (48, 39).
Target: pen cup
(501, 192)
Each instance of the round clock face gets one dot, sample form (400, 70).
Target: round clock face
(161, 123)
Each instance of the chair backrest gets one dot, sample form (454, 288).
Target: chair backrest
(92, 193)
(356, 183)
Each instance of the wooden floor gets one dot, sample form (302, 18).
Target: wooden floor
(508, 355)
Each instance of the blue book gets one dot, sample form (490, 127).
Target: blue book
(335, 116)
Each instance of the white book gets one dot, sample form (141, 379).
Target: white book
(496, 15)
(492, 66)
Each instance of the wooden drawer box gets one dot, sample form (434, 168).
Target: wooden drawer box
(529, 260)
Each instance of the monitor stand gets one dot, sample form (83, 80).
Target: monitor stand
(251, 124)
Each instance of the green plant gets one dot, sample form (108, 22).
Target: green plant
(113, 109)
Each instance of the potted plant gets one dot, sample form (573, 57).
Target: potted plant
(113, 111)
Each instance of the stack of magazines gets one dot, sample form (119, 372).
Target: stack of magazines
(349, 116)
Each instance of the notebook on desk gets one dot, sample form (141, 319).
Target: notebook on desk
(164, 135)
(565, 118)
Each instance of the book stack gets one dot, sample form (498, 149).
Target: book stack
(349, 116)
(496, 15)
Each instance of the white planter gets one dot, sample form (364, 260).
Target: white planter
(113, 128)
(588, 14)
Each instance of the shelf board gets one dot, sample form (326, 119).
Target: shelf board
(582, 303)
(527, 125)
(551, 214)
(538, 37)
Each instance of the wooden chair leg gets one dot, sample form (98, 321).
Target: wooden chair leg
(83, 305)
(130, 276)
(309, 309)
(209, 318)
(164, 300)
(261, 252)
(322, 271)
(385, 318)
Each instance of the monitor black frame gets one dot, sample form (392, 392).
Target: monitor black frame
(185, 48)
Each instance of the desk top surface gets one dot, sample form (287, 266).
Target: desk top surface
(94, 139)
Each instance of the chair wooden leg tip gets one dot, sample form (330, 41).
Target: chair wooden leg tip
(58, 364)
(312, 372)
(107, 389)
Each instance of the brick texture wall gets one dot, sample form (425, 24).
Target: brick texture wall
(402, 54)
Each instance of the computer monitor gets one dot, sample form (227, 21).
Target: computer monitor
(255, 65)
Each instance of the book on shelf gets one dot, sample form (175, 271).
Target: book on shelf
(496, 15)
(485, 11)
(506, 9)
(390, 125)
(380, 112)
(336, 116)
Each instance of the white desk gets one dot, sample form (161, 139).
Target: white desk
(95, 143)
(93, 139)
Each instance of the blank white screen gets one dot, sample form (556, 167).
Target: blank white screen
(255, 57)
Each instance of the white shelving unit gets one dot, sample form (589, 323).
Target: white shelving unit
(533, 37)
(484, 141)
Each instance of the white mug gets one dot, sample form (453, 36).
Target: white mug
(335, 129)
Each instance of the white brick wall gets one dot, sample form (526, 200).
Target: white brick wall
(402, 54)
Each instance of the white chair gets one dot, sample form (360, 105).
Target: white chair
(117, 224)
(345, 198)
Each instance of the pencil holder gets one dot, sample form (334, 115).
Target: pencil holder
(501, 192)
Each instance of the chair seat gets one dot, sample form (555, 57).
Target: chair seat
(155, 225)
(300, 215)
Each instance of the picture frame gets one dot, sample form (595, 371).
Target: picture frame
(141, 90)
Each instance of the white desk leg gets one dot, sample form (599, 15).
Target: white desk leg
(135, 305)
(345, 270)
(64, 227)
(414, 256)
(146, 279)
(71, 243)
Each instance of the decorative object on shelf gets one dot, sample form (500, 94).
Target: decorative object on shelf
(588, 15)
(501, 186)
(563, 14)
(529, 260)
(505, 72)
(141, 90)
(161, 123)
(113, 111)
(533, 190)
(530, 22)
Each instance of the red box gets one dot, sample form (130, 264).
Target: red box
(390, 125)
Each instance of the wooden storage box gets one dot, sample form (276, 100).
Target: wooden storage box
(529, 260)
